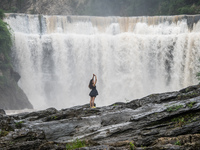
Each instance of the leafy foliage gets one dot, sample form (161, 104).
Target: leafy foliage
(3, 133)
(132, 146)
(19, 124)
(75, 144)
(5, 38)
(198, 76)
(190, 104)
(179, 121)
(174, 108)
(123, 7)
(2, 15)
(139, 7)
(178, 143)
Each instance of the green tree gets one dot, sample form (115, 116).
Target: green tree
(2, 15)
(198, 76)
(139, 7)
(5, 38)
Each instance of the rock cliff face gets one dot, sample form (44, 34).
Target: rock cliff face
(11, 96)
(159, 121)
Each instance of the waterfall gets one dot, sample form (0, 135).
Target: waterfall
(131, 56)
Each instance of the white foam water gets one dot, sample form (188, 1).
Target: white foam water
(13, 112)
(131, 56)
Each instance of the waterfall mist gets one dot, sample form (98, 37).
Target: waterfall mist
(132, 57)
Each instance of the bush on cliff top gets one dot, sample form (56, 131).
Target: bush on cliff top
(139, 7)
(2, 15)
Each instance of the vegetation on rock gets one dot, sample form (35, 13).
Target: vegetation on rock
(75, 144)
(198, 76)
(11, 96)
(19, 124)
(139, 124)
(140, 7)
(105, 7)
(5, 39)
(132, 146)
(3, 133)
(174, 108)
(5, 49)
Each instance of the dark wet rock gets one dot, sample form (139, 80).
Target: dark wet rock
(40, 114)
(12, 97)
(15, 75)
(2, 112)
(158, 121)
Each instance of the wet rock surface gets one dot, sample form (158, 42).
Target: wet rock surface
(2, 112)
(156, 122)
(12, 97)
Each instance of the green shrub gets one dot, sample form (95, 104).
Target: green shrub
(174, 108)
(5, 66)
(178, 143)
(180, 121)
(190, 104)
(19, 124)
(198, 76)
(132, 146)
(5, 39)
(2, 15)
(75, 144)
(186, 10)
(54, 117)
(3, 133)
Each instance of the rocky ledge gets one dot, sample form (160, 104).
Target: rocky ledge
(168, 121)
(12, 97)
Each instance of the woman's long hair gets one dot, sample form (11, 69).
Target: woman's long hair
(90, 84)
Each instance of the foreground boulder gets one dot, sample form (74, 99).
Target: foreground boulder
(156, 122)
(2, 112)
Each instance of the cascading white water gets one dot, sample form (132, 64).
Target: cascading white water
(132, 57)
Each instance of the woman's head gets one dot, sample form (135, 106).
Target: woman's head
(91, 83)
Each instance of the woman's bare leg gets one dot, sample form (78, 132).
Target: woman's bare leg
(91, 102)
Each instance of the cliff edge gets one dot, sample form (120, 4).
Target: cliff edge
(11, 95)
(156, 122)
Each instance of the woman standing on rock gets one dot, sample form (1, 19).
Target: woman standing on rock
(94, 92)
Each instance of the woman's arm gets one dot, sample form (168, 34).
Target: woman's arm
(95, 81)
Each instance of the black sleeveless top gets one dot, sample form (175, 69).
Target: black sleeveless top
(94, 92)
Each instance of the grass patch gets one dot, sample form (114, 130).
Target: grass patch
(185, 119)
(189, 95)
(19, 124)
(174, 108)
(132, 146)
(178, 143)
(190, 104)
(115, 105)
(179, 121)
(54, 117)
(3, 133)
(75, 144)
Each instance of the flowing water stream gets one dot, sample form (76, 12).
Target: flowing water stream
(131, 56)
